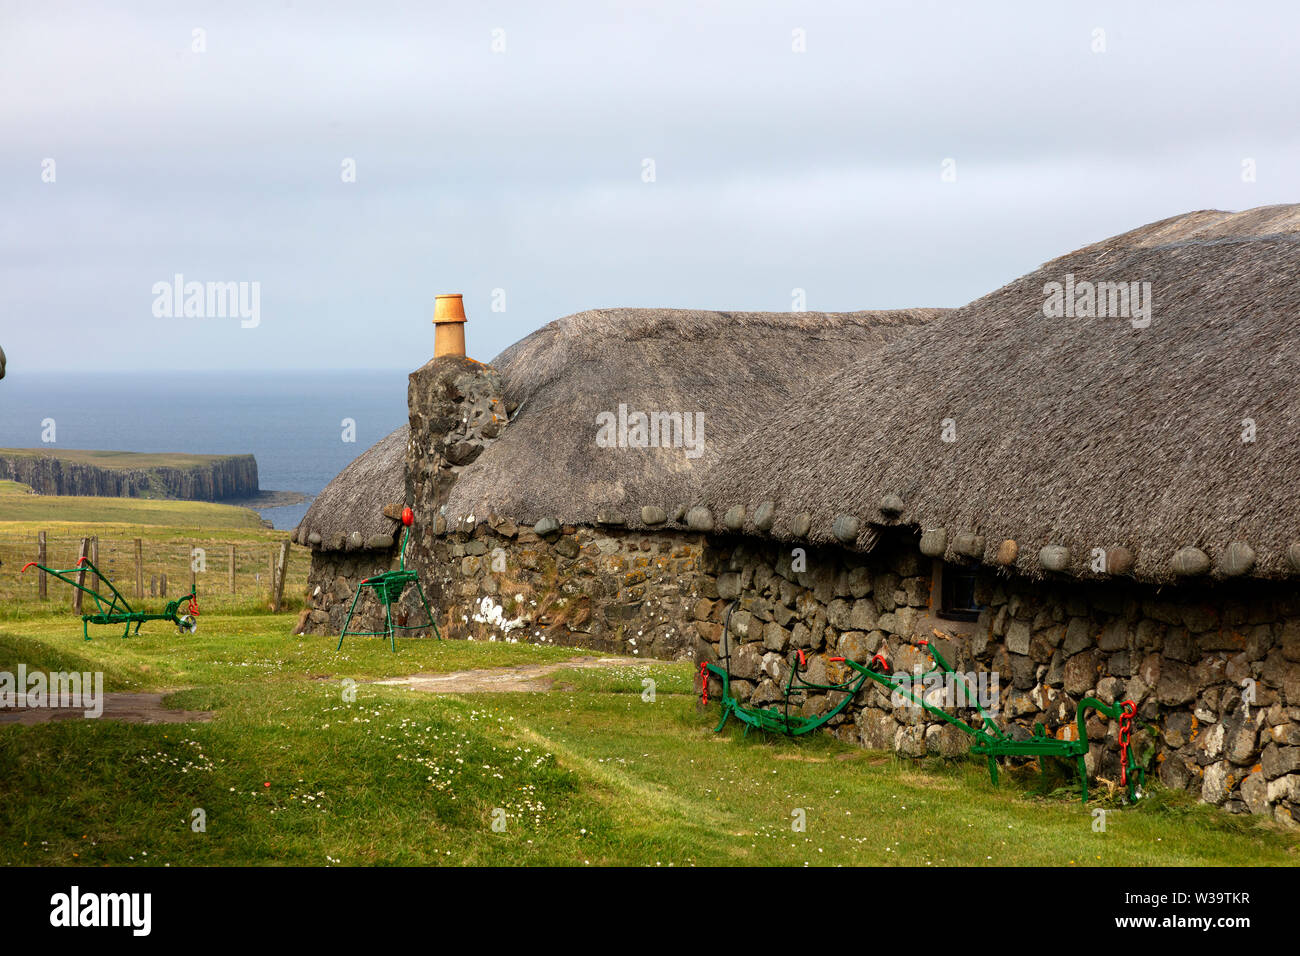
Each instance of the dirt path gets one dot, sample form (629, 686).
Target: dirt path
(496, 680)
(129, 708)
(135, 708)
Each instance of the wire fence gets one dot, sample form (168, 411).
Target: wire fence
(227, 575)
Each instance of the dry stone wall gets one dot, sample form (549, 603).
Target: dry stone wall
(1215, 671)
(601, 588)
(332, 583)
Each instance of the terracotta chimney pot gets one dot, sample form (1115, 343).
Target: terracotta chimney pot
(448, 325)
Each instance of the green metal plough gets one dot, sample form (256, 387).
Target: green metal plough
(113, 608)
(989, 740)
(389, 587)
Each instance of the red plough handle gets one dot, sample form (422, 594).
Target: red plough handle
(878, 663)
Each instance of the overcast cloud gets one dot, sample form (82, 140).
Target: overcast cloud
(522, 170)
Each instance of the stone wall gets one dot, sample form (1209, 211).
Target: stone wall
(332, 583)
(456, 408)
(1185, 657)
(607, 589)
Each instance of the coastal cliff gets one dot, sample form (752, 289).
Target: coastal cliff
(122, 475)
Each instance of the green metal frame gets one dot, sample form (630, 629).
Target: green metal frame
(114, 608)
(782, 721)
(989, 740)
(389, 587)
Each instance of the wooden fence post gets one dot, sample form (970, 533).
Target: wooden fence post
(162, 584)
(280, 573)
(42, 560)
(139, 568)
(232, 569)
(81, 576)
(94, 559)
(194, 580)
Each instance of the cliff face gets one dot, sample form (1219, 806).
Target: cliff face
(234, 476)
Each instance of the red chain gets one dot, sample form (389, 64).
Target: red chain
(1126, 713)
(704, 682)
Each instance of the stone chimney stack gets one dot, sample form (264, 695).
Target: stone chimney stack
(456, 410)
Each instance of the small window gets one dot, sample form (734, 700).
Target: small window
(957, 593)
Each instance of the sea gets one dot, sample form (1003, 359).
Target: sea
(297, 423)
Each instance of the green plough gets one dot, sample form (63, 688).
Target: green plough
(389, 587)
(988, 739)
(113, 608)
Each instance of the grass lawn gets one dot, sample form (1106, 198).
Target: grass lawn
(34, 513)
(591, 772)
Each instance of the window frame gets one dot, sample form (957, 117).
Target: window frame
(943, 610)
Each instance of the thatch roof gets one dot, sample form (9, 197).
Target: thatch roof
(349, 512)
(1077, 433)
(733, 368)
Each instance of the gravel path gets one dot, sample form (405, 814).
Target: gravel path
(496, 680)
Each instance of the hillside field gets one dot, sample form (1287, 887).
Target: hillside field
(170, 531)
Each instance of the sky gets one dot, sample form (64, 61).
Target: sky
(543, 159)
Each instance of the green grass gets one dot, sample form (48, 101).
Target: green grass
(251, 648)
(589, 773)
(32, 513)
(120, 460)
(169, 532)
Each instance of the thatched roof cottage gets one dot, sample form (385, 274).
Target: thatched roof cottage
(701, 379)
(1082, 482)
(1079, 481)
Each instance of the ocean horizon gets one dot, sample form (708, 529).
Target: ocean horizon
(291, 421)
